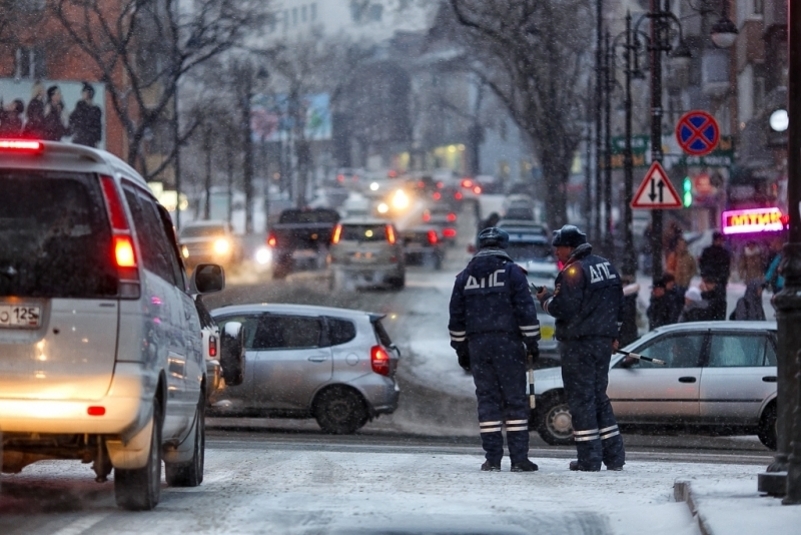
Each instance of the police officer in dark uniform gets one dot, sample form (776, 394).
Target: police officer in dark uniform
(588, 306)
(493, 327)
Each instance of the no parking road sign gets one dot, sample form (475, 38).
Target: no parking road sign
(697, 133)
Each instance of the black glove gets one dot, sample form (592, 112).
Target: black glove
(462, 354)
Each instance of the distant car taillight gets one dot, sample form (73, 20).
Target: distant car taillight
(123, 252)
(449, 232)
(458, 195)
(451, 217)
(477, 190)
(271, 241)
(212, 346)
(467, 183)
(390, 234)
(379, 359)
(337, 234)
(436, 196)
(432, 237)
(426, 216)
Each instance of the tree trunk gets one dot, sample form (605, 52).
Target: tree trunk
(556, 173)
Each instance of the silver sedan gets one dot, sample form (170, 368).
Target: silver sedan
(718, 376)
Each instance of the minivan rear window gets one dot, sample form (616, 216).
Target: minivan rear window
(55, 239)
(364, 233)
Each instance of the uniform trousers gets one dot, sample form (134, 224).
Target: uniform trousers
(585, 374)
(498, 365)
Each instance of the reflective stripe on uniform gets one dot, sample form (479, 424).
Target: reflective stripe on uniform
(609, 432)
(546, 303)
(458, 336)
(517, 425)
(530, 330)
(490, 427)
(585, 436)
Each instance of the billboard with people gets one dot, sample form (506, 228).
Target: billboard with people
(53, 110)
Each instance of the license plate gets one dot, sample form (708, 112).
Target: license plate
(19, 316)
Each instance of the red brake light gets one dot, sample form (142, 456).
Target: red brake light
(337, 234)
(390, 234)
(115, 211)
(271, 241)
(432, 237)
(212, 346)
(436, 195)
(21, 145)
(340, 178)
(449, 232)
(124, 251)
(467, 183)
(379, 360)
(451, 217)
(95, 411)
(477, 190)
(458, 195)
(426, 216)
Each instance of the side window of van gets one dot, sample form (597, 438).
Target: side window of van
(151, 237)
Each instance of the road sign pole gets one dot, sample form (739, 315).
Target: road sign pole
(657, 38)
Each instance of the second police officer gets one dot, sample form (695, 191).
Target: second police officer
(587, 304)
(492, 318)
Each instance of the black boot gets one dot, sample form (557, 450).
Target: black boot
(490, 467)
(575, 467)
(524, 466)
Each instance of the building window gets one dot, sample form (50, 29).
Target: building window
(759, 7)
(375, 12)
(313, 12)
(29, 62)
(294, 16)
(303, 13)
(286, 19)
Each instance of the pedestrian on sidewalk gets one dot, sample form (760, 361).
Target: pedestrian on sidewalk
(715, 260)
(683, 266)
(714, 293)
(695, 308)
(663, 308)
(587, 303)
(494, 329)
(750, 265)
(749, 306)
(773, 276)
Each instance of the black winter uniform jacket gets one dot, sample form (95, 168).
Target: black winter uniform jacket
(492, 295)
(588, 301)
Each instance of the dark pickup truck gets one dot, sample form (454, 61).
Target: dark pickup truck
(300, 239)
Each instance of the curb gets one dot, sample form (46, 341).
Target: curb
(682, 492)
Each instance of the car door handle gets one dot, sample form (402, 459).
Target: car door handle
(318, 359)
(769, 379)
(687, 379)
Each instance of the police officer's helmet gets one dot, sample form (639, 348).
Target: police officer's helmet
(493, 237)
(569, 236)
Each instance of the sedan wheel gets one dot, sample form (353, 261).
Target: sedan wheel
(767, 427)
(555, 424)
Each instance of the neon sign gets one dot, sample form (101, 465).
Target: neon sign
(753, 220)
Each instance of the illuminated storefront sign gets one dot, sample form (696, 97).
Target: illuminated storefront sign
(753, 220)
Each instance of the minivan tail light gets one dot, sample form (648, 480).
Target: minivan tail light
(114, 204)
(124, 253)
(212, 346)
(379, 360)
(337, 234)
(390, 234)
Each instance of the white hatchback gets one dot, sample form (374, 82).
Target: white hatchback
(100, 342)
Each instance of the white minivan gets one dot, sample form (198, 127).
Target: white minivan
(101, 354)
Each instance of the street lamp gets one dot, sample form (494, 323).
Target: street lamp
(783, 476)
(723, 32)
(660, 41)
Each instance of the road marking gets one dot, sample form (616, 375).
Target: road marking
(81, 525)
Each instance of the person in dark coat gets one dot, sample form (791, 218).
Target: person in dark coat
(715, 294)
(10, 118)
(715, 260)
(54, 127)
(662, 308)
(85, 120)
(35, 113)
(493, 327)
(749, 306)
(587, 303)
(695, 308)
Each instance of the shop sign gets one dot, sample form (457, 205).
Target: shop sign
(753, 220)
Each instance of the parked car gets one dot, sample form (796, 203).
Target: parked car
(518, 206)
(99, 335)
(444, 218)
(331, 364)
(719, 376)
(422, 246)
(209, 241)
(367, 252)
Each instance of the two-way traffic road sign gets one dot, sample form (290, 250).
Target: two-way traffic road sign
(656, 192)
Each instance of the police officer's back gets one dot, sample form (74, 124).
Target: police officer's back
(492, 319)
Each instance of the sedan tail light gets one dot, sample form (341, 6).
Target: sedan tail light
(379, 359)
(212, 346)
(271, 240)
(432, 237)
(449, 232)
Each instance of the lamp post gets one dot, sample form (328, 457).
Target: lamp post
(659, 42)
(783, 476)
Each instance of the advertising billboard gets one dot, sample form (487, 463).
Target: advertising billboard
(272, 117)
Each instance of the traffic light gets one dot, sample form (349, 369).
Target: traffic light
(687, 196)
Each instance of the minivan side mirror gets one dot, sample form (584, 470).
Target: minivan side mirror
(232, 353)
(206, 279)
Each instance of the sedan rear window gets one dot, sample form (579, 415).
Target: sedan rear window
(364, 233)
(55, 240)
